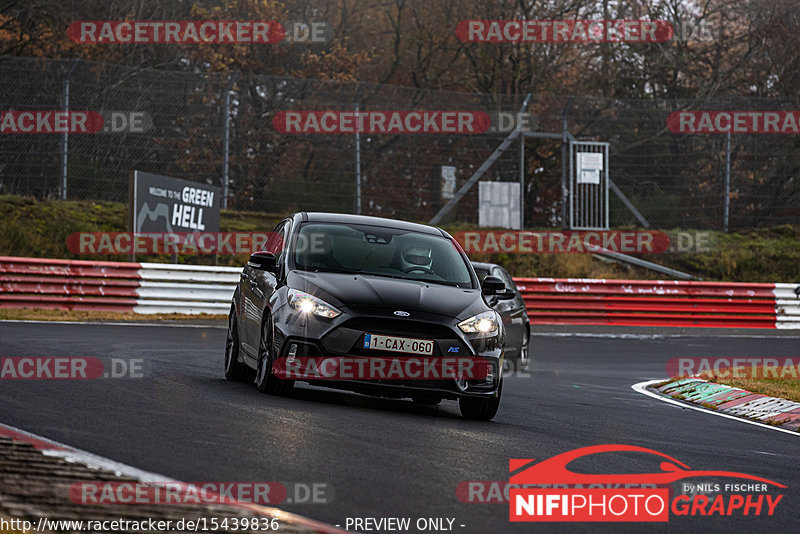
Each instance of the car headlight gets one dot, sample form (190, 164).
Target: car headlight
(305, 303)
(483, 323)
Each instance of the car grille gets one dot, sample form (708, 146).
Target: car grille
(401, 328)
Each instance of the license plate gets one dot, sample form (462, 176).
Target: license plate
(398, 344)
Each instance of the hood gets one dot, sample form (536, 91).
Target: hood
(356, 290)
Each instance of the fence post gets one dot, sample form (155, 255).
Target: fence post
(226, 139)
(358, 154)
(727, 205)
(522, 182)
(65, 136)
(564, 141)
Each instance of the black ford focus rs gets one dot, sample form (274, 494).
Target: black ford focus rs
(370, 305)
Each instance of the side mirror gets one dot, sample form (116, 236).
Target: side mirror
(505, 295)
(264, 261)
(493, 286)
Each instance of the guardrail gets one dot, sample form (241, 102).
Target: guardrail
(193, 289)
(116, 286)
(660, 303)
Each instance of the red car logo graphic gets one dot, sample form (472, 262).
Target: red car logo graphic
(554, 470)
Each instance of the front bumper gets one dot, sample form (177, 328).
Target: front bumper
(301, 338)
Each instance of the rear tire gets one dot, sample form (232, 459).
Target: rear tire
(235, 371)
(266, 382)
(480, 409)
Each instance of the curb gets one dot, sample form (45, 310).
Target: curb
(733, 401)
(109, 469)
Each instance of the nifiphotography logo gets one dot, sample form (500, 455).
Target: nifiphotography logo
(549, 491)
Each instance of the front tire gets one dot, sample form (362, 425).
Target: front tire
(480, 409)
(235, 371)
(266, 382)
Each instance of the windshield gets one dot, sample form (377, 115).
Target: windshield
(378, 251)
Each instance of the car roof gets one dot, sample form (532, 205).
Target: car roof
(372, 221)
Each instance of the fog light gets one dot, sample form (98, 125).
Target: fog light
(292, 353)
(489, 373)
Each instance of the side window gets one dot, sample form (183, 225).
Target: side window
(506, 278)
(275, 242)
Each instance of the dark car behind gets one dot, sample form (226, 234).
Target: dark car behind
(513, 312)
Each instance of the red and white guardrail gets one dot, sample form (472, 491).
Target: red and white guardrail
(193, 289)
(116, 286)
(660, 303)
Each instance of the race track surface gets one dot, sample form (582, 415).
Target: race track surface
(391, 458)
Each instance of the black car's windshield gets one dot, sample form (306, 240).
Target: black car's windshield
(374, 250)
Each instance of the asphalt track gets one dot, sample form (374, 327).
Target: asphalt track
(391, 458)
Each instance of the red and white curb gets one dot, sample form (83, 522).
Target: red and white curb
(70, 454)
(728, 402)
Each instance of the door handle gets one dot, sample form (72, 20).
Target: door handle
(253, 284)
(243, 276)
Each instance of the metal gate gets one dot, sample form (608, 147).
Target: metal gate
(588, 185)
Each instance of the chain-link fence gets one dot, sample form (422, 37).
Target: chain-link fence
(675, 180)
